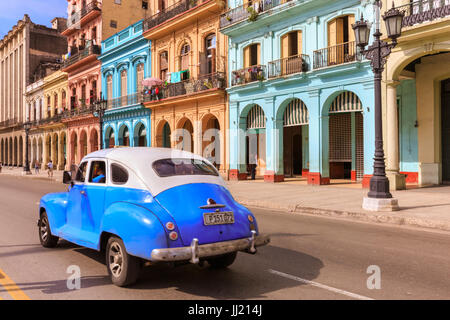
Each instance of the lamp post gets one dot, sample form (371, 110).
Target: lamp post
(379, 197)
(27, 127)
(100, 107)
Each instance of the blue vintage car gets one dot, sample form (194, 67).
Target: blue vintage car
(148, 205)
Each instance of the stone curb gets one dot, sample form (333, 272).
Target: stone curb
(366, 217)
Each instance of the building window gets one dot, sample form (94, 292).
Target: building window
(118, 1)
(123, 83)
(163, 65)
(252, 55)
(139, 77)
(184, 57)
(83, 95)
(113, 24)
(210, 45)
(109, 87)
(145, 5)
(341, 47)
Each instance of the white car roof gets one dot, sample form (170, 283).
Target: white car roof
(140, 160)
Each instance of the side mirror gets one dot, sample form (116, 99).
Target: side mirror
(67, 177)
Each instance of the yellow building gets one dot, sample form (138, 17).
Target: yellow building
(52, 130)
(189, 111)
(416, 96)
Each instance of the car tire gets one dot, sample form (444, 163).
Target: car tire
(124, 269)
(45, 235)
(222, 261)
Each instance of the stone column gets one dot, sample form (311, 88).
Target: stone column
(396, 180)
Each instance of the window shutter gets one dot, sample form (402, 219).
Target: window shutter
(247, 57)
(285, 46)
(258, 50)
(332, 33)
(213, 60)
(351, 33)
(340, 31)
(300, 42)
(203, 63)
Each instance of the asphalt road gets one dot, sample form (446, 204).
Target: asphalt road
(308, 258)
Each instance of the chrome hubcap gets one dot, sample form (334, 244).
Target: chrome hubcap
(115, 259)
(44, 229)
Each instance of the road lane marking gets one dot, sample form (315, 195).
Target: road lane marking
(14, 291)
(319, 285)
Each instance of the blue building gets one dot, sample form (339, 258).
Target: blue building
(301, 97)
(126, 61)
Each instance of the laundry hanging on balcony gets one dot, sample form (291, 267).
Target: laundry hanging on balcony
(346, 102)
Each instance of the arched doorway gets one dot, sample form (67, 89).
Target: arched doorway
(16, 153)
(295, 139)
(163, 133)
(185, 135)
(55, 151)
(124, 136)
(346, 137)
(211, 140)
(20, 151)
(255, 153)
(83, 144)
(63, 151)
(48, 148)
(74, 148)
(140, 135)
(40, 152)
(94, 140)
(110, 138)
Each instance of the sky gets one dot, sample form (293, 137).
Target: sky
(40, 12)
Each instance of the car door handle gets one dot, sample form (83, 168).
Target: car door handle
(83, 192)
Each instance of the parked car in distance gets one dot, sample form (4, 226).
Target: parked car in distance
(148, 205)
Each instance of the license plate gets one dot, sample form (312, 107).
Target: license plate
(215, 218)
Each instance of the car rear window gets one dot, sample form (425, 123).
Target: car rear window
(183, 167)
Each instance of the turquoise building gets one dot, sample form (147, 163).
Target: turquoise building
(126, 61)
(301, 96)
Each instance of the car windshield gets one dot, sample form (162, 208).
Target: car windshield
(183, 167)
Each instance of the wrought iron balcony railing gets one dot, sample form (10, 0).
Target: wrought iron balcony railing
(80, 55)
(124, 101)
(47, 120)
(75, 17)
(424, 10)
(202, 83)
(290, 65)
(9, 122)
(335, 55)
(170, 12)
(247, 10)
(247, 75)
(78, 112)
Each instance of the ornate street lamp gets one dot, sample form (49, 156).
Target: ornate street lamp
(27, 127)
(100, 107)
(379, 197)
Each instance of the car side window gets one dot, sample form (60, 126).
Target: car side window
(119, 174)
(97, 173)
(81, 172)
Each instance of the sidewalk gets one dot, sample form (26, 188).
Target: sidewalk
(43, 175)
(423, 207)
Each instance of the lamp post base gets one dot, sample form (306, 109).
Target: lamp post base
(385, 205)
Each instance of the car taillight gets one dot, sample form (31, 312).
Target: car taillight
(173, 235)
(170, 226)
(250, 218)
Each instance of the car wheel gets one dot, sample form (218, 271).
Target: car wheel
(123, 268)
(222, 261)
(45, 235)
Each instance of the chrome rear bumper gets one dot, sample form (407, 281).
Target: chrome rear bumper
(194, 252)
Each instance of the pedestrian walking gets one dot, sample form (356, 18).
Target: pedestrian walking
(253, 166)
(50, 169)
(36, 167)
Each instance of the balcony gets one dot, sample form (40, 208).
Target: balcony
(91, 51)
(52, 119)
(87, 110)
(180, 15)
(290, 65)
(336, 55)
(248, 75)
(424, 11)
(247, 11)
(191, 86)
(77, 17)
(124, 101)
(9, 123)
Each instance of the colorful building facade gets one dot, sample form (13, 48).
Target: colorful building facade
(189, 108)
(126, 62)
(301, 96)
(416, 97)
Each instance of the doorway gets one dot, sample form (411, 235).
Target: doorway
(445, 117)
